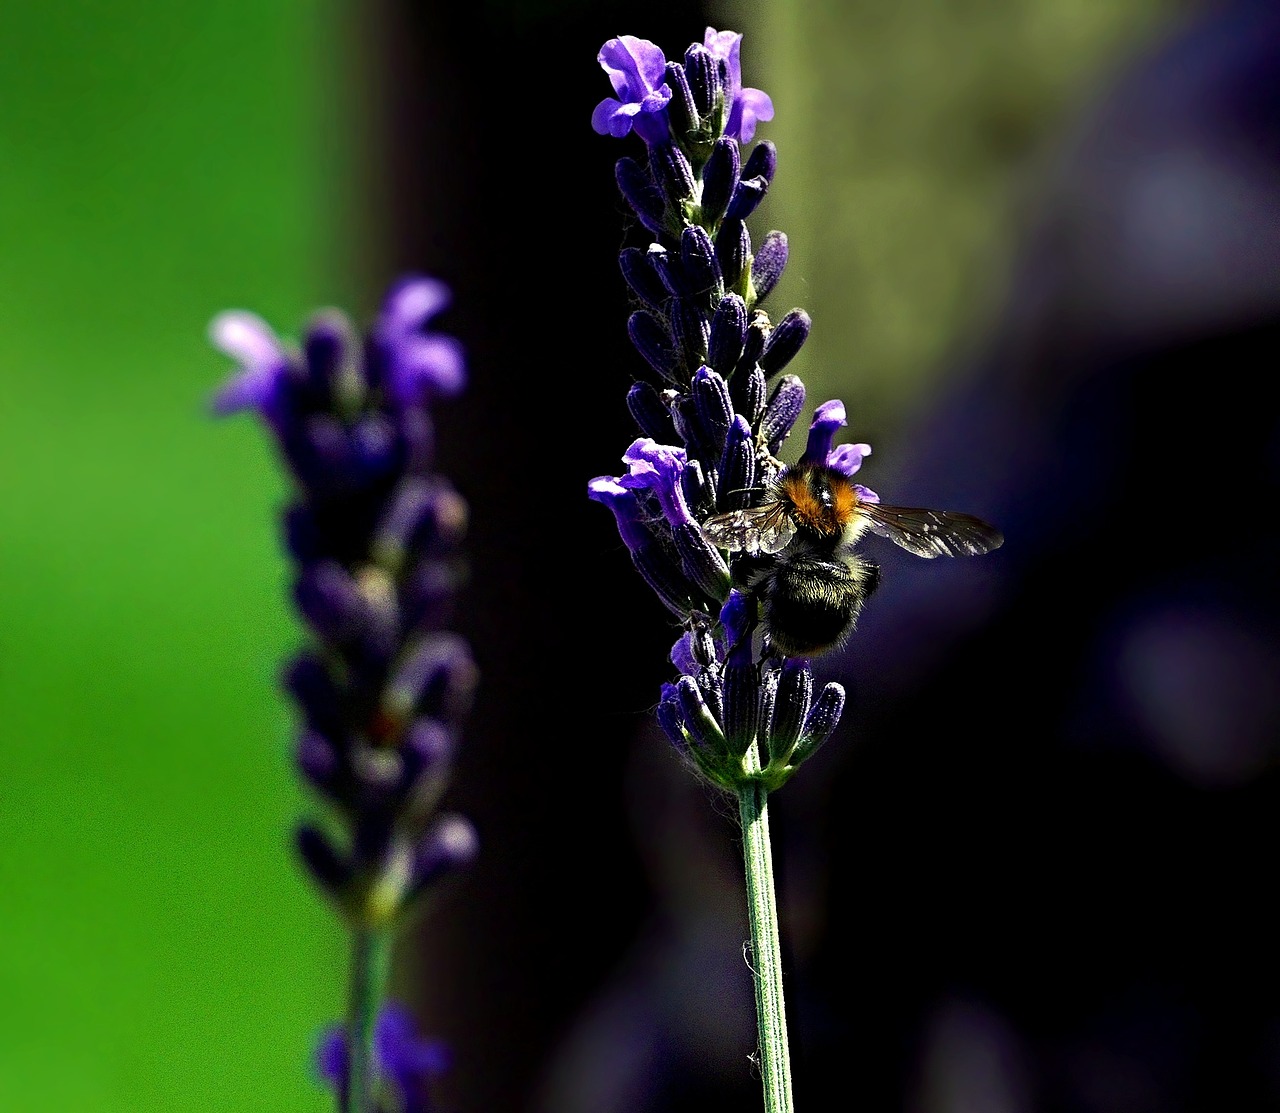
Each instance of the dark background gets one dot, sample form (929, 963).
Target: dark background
(1032, 870)
(498, 185)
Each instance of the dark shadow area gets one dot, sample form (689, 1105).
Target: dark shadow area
(1032, 869)
(1048, 831)
(498, 185)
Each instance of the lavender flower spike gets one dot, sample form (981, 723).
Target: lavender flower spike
(715, 351)
(764, 549)
(381, 686)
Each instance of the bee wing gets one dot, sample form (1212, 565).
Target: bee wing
(757, 529)
(932, 533)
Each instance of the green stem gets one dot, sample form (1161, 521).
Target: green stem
(369, 955)
(766, 949)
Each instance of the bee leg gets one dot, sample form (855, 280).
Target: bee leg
(872, 577)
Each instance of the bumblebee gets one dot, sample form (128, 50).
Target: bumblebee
(797, 559)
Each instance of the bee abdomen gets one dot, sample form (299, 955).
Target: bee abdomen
(814, 602)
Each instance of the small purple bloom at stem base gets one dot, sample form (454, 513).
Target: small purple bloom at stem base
(408, 1063)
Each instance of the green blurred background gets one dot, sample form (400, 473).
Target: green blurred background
(158, 163)
(912, 140)
(158, 948)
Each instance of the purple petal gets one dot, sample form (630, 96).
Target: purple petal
(827, 419)
(682, 655)
(635, 66)
(421, 364)
(413, 301)
(746, 106)
(395, 1026)
(848, 458)
(649, 460)
(450, 844)
(408, 1061)
(249, 340)
(658, 467)
(246, 337)
(399, 1054)
(749, 107)
(251, 389)
(726, 45)
(652, 127)
(331, 1054)
(429, 365)
(602, 118)
(626, 509)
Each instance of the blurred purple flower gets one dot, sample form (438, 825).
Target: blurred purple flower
(403, 1061)
(421, 364)
(374, 537)
(263, 360)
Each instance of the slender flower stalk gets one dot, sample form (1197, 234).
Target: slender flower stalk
(381, 685)
(752, 558)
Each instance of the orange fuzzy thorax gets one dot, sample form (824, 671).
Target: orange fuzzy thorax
(822, 500)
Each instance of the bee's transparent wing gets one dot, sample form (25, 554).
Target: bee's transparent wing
(759, 529)
(932, 533)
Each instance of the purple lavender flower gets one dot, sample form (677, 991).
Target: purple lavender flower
(264, 362)
(636, 69)
(405, 1066)
(747, 106)
(821, 449)
(423, 364)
